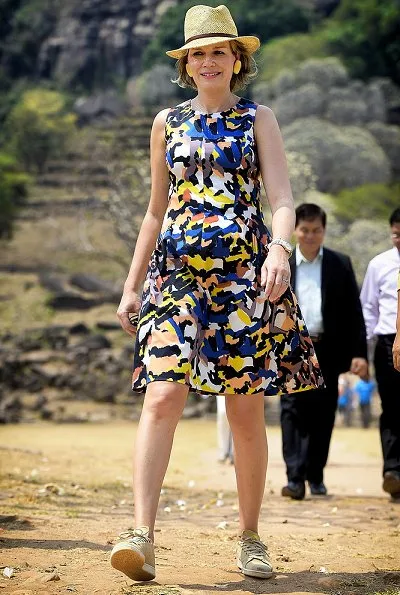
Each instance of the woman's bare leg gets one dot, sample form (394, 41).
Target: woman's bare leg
(162, 409)
(246, 418)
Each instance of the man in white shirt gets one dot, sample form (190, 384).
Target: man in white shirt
(328, 296)
(379, 301)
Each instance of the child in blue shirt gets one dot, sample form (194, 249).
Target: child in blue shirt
(364, 389)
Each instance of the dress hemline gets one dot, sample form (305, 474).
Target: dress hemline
(209, 393)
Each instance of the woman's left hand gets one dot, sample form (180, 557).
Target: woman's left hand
(275, 273)
(396, 352)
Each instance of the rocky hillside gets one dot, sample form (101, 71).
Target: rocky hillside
(89, 44)
(98, 42)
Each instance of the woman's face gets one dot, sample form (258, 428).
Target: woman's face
(212, 65)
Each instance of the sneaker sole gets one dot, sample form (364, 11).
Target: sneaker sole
(256, 573)
(391, 485)
(132, 563)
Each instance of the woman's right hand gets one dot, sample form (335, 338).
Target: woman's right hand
(130, 304)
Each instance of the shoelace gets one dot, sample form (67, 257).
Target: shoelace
(256, 548)
(134, 534)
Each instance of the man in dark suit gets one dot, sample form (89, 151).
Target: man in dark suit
(328, 295)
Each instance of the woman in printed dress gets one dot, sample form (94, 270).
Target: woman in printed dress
(216, 313)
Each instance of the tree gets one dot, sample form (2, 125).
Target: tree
(287, 53)
(365, 33)
(38, 127)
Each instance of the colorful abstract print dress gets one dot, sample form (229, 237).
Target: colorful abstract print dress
(205, 320)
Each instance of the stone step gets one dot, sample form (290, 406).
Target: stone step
(75, 166)
(80, 181)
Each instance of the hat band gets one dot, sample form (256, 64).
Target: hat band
(204, 35)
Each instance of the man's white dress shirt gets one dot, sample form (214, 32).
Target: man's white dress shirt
(379, 294)
(308, 290)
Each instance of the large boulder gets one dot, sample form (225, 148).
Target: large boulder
(340, 157)
(10, 409)
(346, 106)
(307, 100)
(101, 105)
(326, 72)
(90, 283)
(363, 240)
(388, 137)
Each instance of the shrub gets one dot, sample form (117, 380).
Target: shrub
(39, 127)
(13, 191)
(364, 33)
(287, 53)
(371, 201)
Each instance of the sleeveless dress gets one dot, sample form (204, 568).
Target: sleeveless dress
(205, 320)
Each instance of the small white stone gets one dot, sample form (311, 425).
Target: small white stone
(222, 525)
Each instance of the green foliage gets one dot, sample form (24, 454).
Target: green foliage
(365, 33)
(371, 201)
(267, 20)
(287, 53)
(39, 127)
(13, 190)
(270, 19)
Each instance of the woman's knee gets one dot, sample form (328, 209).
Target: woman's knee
(245, 411)
(165, 399)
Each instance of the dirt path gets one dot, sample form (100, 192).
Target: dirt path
(65, 495)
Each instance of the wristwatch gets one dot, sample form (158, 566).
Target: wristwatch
(285, 245)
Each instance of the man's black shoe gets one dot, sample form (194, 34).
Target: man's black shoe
(295, 490)
(391, 483)
(318, 489)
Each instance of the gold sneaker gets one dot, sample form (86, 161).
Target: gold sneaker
(252, 556)
(133, 555)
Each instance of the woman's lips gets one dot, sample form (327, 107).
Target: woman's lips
(210, 74)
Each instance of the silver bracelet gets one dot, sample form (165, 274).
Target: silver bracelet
(281, 242)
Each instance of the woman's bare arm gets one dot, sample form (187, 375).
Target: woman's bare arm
(275, 178)
(151, 225)
(154, 216)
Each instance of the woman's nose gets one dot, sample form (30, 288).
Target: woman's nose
(209, 60)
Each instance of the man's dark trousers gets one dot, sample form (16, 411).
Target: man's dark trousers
(307, 420)
(388, 380)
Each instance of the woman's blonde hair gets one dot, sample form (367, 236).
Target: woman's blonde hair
(239, 81)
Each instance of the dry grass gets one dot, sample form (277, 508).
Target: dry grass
(24, 307)
(75, 244)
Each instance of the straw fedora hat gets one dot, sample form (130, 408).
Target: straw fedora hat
(205, 25)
